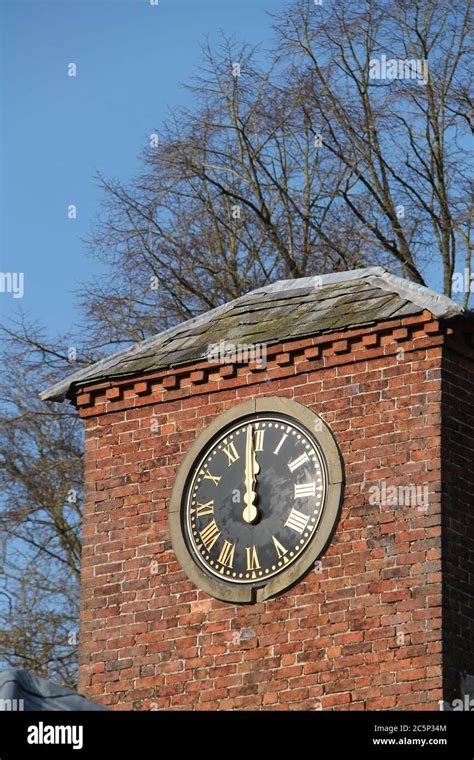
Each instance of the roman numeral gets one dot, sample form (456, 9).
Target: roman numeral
(258, 439)
(281, 551)
(304, 489)
(282, 441)
(298, 462)
(210, 534)
(231, 452)
(297, 521)
(226, 557)
(207, 476)
(252, 558)
(205, 509)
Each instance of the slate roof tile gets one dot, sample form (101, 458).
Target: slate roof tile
(285, 309)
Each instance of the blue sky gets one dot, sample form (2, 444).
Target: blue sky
(57, 131)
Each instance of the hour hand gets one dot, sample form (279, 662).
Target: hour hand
(250, 513)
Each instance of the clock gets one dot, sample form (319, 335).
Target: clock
(256, 500)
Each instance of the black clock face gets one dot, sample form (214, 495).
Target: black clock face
(254, 499)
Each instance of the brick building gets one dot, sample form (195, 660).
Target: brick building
(382, 617)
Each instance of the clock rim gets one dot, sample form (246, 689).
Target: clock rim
(246, 594)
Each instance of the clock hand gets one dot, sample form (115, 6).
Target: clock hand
(250, 513)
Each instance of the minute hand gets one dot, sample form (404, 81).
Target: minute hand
(250, 513)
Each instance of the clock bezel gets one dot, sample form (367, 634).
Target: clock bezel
(247, 594)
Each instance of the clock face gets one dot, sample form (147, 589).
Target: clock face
(254, 498)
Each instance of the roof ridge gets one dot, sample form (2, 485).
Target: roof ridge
(437, 303)
(321, 279)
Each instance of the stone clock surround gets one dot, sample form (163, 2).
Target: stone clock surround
(335, 478)
(151, 640)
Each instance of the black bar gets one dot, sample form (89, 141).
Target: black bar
(122, 734)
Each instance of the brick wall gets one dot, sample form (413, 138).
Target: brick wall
(360, 631)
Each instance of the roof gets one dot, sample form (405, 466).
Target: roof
(39, 694)
(284, 310)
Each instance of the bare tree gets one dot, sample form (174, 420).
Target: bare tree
(400, 130)
(233, 194)
(40, 511)
(304, 164)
